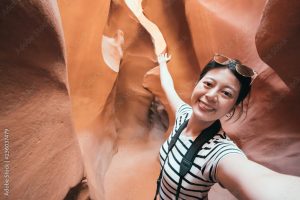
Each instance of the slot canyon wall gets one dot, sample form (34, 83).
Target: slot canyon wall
(81, 102)
(40, 154)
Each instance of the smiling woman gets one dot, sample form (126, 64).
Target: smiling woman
(198, 153)
(215, 94)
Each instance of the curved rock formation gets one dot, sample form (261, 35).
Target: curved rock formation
(42, 155)
(96, 61)
(112, 50)
(277, 40)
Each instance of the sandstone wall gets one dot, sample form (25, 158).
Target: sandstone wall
(44, 154)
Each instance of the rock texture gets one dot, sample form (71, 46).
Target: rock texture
(44, 154)
(95, 61)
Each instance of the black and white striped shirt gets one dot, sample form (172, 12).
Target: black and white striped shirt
(198, 181)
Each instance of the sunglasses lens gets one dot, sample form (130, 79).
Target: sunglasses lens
(244, 70)
(221, 59)
(241, 69)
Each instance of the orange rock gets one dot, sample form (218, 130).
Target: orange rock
(42, 148)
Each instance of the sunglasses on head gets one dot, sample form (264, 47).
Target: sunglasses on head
(239, 67)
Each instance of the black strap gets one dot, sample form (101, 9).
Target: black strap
(188, 159)
(171, 145)
(176, 136)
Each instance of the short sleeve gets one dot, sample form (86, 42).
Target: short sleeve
(182, 114)
(221, 148)
(184, 108)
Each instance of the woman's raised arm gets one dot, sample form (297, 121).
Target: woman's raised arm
(249, 180)
(167, 83)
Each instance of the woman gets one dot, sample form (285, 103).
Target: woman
(223, 85)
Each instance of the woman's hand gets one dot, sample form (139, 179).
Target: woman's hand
(163, 58)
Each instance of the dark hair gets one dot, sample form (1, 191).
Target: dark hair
(244, 81)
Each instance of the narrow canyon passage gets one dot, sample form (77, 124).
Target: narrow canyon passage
(81, 102)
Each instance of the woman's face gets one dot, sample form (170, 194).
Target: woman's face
(215, 94)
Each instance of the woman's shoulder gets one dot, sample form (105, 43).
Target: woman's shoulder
(218, 147)
(183, 113)
(222, 139)
(183, 109)
(221, 135)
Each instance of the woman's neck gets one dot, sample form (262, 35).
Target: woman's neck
(196, 126)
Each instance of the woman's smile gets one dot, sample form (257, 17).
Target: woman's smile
(203, 106)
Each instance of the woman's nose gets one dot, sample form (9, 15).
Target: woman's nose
(212, 95)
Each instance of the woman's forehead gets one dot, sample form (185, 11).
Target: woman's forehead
(224, 77)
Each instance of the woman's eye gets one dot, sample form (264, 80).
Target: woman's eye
(228, 94)
(207, 83)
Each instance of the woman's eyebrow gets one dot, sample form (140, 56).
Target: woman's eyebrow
(209, 77)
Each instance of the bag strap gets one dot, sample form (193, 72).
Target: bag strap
(177, 134)
(188, 159)
(205, 136)
(171, 145)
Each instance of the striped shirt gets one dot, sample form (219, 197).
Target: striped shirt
(198, 181)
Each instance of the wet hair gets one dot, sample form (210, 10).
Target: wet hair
(244, 82)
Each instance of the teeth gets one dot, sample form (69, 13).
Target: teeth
(206, 106)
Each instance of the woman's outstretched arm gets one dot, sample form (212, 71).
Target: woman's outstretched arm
(167, 83)
(246, 179)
